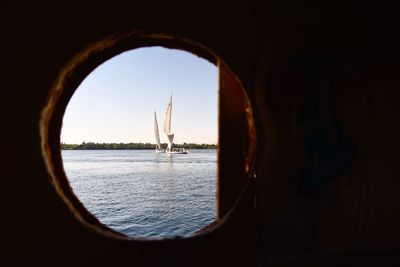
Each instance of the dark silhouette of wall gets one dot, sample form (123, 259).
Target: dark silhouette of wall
(322, 78)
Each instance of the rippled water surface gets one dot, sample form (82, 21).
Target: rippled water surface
(144, 194)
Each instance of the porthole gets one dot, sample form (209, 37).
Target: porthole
(234, 111)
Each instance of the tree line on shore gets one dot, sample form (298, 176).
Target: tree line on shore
(122, 146)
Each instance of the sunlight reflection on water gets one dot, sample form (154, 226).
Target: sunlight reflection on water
(145, 194)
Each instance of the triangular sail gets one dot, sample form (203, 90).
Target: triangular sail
(167, 124)
(170, 141)
(168, 114)
(168, 133)
(156, 132)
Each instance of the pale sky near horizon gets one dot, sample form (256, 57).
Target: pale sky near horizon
(115, 103)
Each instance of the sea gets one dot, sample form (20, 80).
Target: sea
(141, 193)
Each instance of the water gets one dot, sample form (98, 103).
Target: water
(145, 194)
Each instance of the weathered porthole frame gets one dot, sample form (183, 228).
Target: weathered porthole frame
(237, 134)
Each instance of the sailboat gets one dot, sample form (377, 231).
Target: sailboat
(167, 131)
(157, 134)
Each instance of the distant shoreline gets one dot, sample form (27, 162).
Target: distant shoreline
(131, 146)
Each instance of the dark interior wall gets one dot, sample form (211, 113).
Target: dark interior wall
(355, 213)
(357, 210)
(382, 203)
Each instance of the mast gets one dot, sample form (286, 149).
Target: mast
(156, 132)
(167, 124)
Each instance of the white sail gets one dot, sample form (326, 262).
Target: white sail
(168, 115)
(167, 124)
(156, 132)
(167, 131)
(170, 141)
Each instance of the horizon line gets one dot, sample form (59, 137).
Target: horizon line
(134, 143)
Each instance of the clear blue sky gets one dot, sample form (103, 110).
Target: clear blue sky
(116, 102)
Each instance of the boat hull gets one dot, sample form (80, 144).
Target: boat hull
(176, 152)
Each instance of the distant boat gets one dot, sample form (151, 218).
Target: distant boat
(159, 149)
(167, 131)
